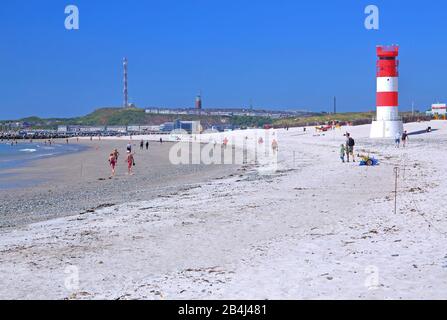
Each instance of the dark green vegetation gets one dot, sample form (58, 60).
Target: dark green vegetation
(116, 116)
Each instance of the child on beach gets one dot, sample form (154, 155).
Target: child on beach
(116, 154)
(112, 162)
(342, 153)
(130, 163)
(275, 146)
(225, 142)
(397, 140)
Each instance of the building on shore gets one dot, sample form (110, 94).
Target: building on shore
(116, 129)
(143, 129)
(192, 127)
(167, 127)
(225, 112)
(77, 129)
(438, 109)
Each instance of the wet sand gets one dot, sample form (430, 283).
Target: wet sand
(76, 183)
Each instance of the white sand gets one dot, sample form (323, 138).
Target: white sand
(317, 229)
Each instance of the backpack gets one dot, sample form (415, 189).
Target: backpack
(351, 142)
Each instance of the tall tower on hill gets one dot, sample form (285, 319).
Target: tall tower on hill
(125, 90)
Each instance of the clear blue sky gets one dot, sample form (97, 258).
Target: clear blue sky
(281, 54)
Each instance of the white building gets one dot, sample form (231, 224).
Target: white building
(62, 129)
(150, 128)
(439, 109)
(117, 129)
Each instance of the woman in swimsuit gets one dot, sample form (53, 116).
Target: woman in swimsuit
(130, 162)
(112, 161)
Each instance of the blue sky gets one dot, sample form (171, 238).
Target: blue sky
(281, 54)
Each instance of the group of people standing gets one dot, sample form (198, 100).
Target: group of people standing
(142, 144)
(404, 139)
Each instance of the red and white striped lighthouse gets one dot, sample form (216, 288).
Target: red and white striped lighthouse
(387, 124)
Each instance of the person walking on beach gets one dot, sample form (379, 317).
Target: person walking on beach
(275, 146)
(130, 163)
(116, 154)
(397, 140)
(147, 145)
(129, 147)
(342, 153)
(225, 142)
(161, 140)
(350, 143)
(112, 162)
(141, 145)
(404, 139)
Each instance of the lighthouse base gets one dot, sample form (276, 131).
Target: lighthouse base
(386, 129)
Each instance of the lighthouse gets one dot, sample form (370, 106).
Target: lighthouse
(199, 102)
(387, 123)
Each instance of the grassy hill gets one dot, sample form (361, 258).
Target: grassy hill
(119, 116)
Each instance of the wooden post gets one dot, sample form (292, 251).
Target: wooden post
(396, 173)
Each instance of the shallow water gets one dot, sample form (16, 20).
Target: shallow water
(14, 156)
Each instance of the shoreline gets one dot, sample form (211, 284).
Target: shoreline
(24, 163)
(78, 182)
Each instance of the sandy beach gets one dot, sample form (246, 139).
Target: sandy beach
(314, 229)
(76, 183)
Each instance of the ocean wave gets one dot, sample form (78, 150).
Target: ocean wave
(45, 155)
(28, 150)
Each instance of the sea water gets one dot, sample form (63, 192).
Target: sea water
(13, 156)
